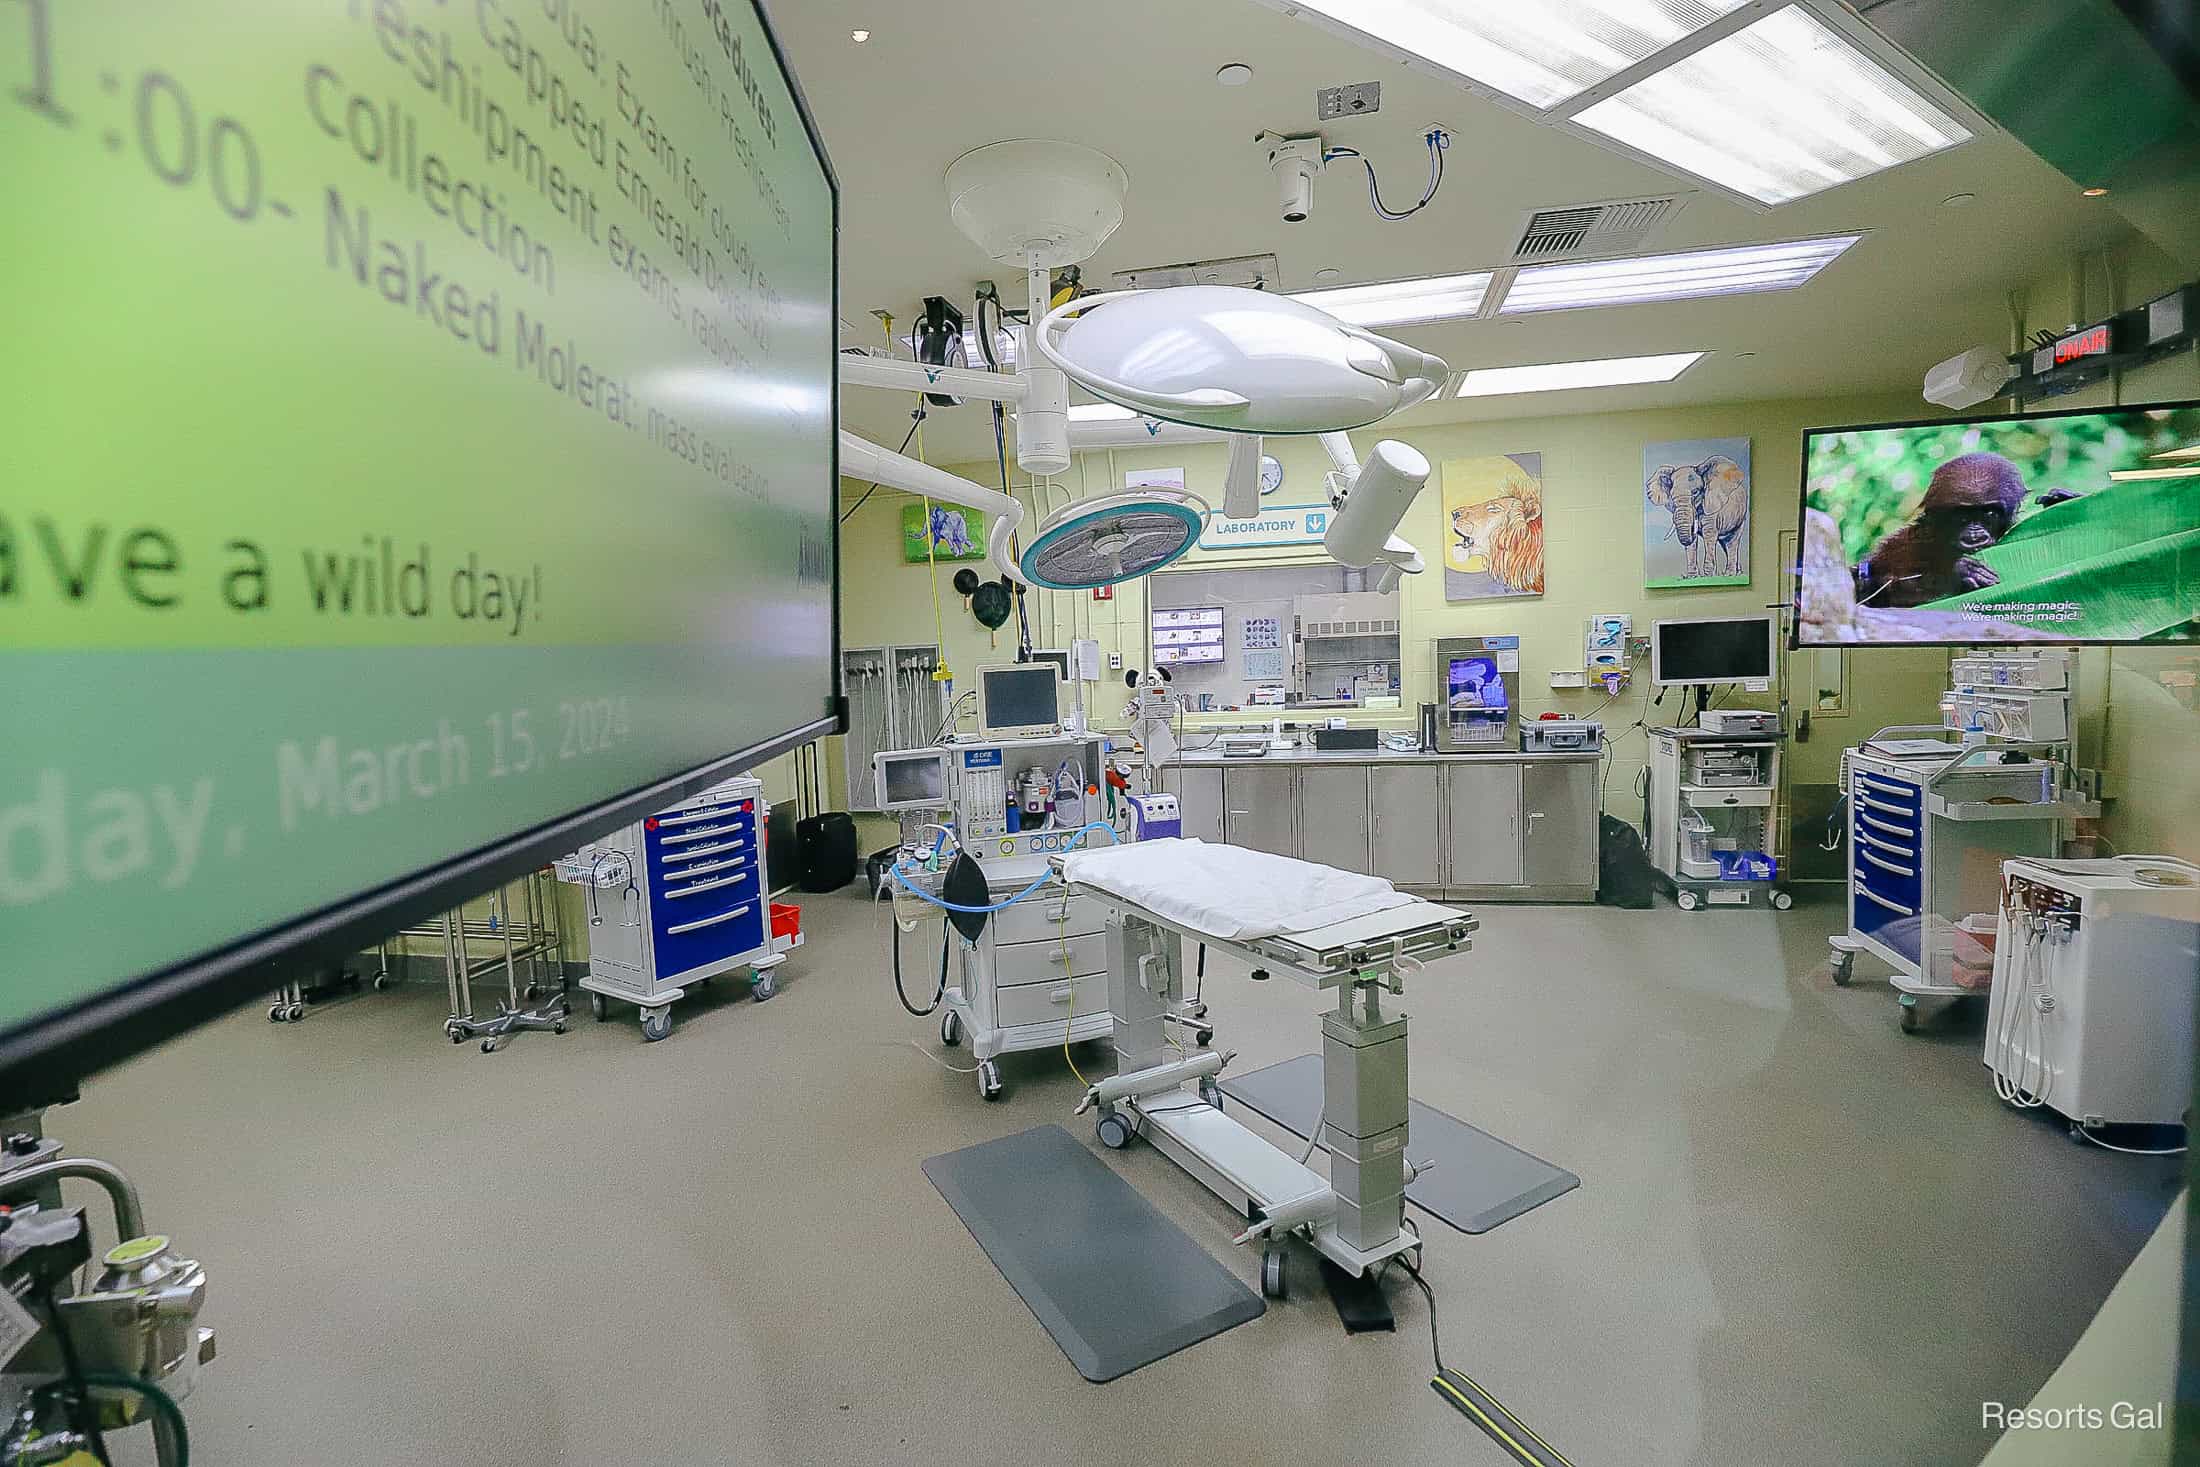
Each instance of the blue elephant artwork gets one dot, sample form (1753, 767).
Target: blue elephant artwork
(1695, 513)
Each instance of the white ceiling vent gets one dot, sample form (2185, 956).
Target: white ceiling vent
(1585, 230)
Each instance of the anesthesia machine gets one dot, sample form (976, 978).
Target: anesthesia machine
(1020, 968)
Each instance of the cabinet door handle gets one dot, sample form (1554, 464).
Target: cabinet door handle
(1533, 817)
(675, 931)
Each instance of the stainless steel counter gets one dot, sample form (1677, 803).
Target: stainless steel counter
(1216, 758)
(1502, 825)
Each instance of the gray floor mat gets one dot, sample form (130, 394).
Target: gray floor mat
(1476, 1182)
(1117, 1284)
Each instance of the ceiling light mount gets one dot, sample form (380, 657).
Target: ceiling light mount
(1765, 100)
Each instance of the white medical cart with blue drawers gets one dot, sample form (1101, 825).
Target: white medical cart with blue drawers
(1934, 809)
(678, 899)
(1930, 823)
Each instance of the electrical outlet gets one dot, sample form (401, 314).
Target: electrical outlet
(1638, 648)
(1357, 99)
(1115, 662)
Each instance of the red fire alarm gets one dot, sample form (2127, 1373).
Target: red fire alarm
(1103, 593)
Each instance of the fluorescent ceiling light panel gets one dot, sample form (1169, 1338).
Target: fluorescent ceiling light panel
(1779, 110)
(1727, 270)
(1403, 302)
(1561, 376)
(1541, 52)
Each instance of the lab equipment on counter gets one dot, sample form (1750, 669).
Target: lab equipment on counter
(1347, 738)
(1329, 929)
(131, 1332)
(2093, 992)
(678, 899)
(1714, 831)
(1560, 735)
(1479, 679)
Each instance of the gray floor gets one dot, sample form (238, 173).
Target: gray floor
(1801, 1236)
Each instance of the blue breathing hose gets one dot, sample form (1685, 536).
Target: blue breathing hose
(901, 877)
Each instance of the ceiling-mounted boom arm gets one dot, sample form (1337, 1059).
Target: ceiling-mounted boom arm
(862, 459)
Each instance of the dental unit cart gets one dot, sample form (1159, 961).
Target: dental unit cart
(1356, 1216)
(1714, 828)
(1036, 977)
(1934, 810)
(677, 899)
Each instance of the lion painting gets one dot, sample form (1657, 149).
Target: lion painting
(1501, 535)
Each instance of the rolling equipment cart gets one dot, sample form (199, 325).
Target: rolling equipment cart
(677, 899)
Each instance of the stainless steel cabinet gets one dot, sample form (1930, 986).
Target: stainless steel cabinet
(1334, 815)
(1407, 836)
(1261, 808)
(1558, 811)
(1482, 824)
(1199, 800)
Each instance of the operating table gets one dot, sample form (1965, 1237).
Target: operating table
(1355, 1218)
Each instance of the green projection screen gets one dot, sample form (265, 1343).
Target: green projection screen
(420, 422)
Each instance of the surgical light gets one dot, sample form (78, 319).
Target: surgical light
(1729, 270)
(1561, 376)
(1403, 302)
(1541, 52)
(1779, 110)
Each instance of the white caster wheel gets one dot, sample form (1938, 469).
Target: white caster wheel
(1782, 900)
(989, 1081)
(275, 1014)
(763, 986)
(1271, 1274)
(455, 1030)
(656, 1024)
(1909, 1017)
(1844, 969)
(381, 982)
(599, 1007)
(950, 1029)
(1204, 1037)
(1114, 1131)
(1688, 901)
(295, 1012)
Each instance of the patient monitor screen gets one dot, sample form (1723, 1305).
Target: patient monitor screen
(420, 431)
(1020, 697)
(919, 780)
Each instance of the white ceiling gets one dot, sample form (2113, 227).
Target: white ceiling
(1135, 78)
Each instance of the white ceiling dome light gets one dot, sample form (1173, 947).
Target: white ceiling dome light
(1243, 361)
(1037, 201)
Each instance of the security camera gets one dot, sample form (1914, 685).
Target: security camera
(1970, 379)
(1294, 161)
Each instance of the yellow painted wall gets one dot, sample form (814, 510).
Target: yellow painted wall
(1593, 495)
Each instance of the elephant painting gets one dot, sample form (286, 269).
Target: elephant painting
(1696, 514)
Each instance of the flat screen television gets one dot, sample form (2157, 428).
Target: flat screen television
(2078, 526)
(1705, 651)
(361, 549)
